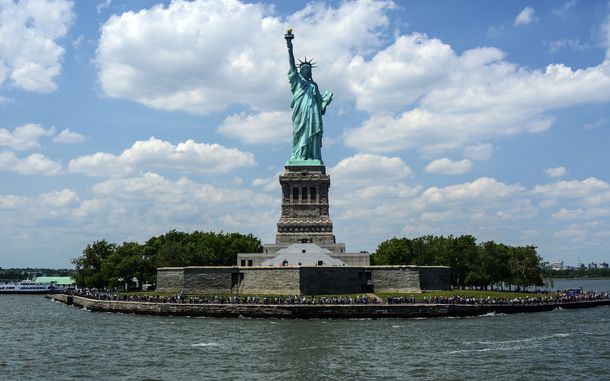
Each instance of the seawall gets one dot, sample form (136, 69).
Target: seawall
(306, 311)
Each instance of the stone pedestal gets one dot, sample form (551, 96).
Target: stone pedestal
(305, 215)
(304, 220)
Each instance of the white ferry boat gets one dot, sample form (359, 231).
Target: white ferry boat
(28, 287)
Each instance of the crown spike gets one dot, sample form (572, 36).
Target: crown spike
(307, 62)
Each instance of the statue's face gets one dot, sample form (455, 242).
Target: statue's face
(306, 71)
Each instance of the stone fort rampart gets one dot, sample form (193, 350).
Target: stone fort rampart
(303, 280)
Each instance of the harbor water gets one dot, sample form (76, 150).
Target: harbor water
(42, 339)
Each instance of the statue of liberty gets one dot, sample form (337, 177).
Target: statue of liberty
(308, 106)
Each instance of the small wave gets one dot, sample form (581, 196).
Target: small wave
(595, 333)
(493, 313)
(205, 345)
(307, 348)
(516, 341)
(395, 326)
(515, 348)
(85, 309)
(559, 309)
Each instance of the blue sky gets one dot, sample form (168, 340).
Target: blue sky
(121, 120)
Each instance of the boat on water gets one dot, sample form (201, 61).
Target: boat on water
(29, 287)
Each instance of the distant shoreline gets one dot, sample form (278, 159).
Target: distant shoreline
(372, 311)
(579, 277)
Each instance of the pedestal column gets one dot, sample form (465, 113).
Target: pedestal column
(305, 210)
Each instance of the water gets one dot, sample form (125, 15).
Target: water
(48, 340)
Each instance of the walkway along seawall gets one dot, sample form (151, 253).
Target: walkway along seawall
(306, 311)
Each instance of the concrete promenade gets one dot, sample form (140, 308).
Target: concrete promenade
(304, 311)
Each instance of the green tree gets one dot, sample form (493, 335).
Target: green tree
(460, 258)
(88, 267)
(127, 263)
(479, 273)
(395, 251)
(525, 266)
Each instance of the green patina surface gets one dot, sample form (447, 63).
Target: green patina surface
(308, 105)
(305, 162)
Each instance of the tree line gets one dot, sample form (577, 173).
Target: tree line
(472, 265)
(19, 274)
(581, 272)
(108, 265)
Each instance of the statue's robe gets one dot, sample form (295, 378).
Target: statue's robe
(307, 109)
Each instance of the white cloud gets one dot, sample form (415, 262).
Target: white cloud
(567, 214)
(269, 184)
(12, 201)
(437, 216)
(34, 164)
(573, 214)
(262, 128)
(601, 122)
(448, 167)
(480, 189)
(68, 137)
(30, 56)
(484, 97)
(101, 6)
(370, 169)
(572, 232)
(182, 204)
(401, 73)
(572, 189)
(573, 43)
(478, 151)
(556, 171)
(565, 9)
(151, 186)
(525, 17)
(24, 137)
(187, 157)
(133, 209)
(202, 56)
(59, 199)
(482, 207)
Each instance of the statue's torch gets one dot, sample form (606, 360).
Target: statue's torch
(289, 36)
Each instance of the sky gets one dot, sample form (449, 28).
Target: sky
(122, 120)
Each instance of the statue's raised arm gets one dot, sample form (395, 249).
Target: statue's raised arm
(289, 37)
(308, 106)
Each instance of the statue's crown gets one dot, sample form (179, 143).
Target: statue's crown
(306, 62)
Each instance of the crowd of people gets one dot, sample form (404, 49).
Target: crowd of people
(225, 299)
(563, 296)
(559, 297)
